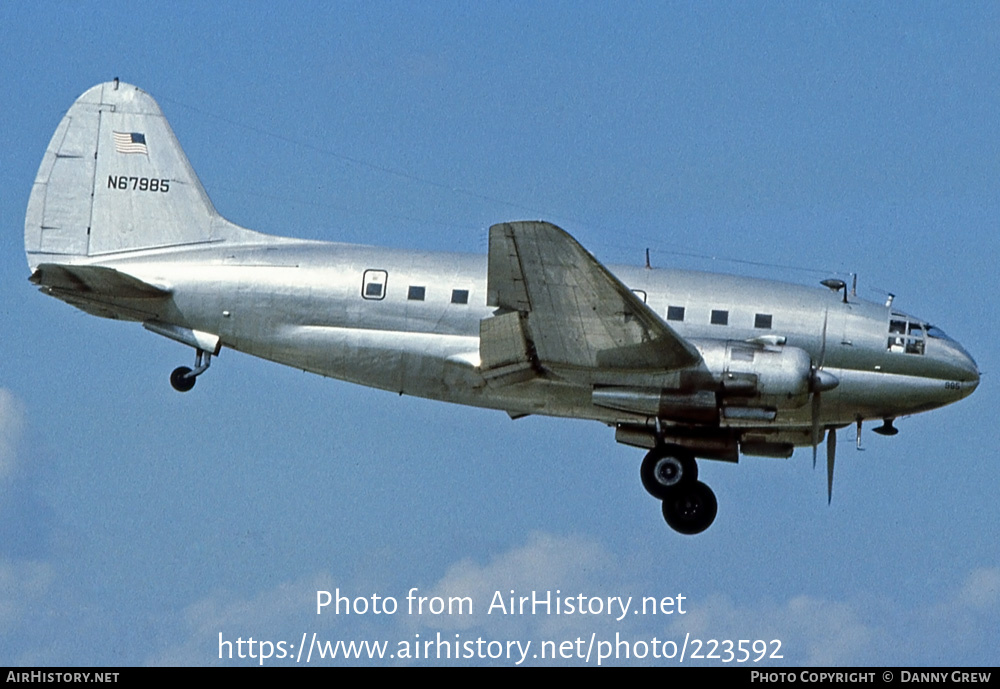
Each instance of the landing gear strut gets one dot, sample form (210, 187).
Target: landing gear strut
(669, 473)
(183, 378)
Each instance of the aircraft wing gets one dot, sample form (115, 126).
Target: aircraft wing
(559, 310)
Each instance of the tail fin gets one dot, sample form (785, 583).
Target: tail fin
(113, 179)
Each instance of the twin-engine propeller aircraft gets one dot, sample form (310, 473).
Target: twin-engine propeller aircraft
(684, 364)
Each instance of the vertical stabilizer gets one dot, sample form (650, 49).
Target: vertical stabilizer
(114, 179)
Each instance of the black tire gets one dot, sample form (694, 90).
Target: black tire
(180, 381)
(691, 508)
(665, 468)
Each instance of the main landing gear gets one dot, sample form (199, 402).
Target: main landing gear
(669, 473)
(183, 378)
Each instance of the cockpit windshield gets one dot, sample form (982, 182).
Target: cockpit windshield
(936, 332)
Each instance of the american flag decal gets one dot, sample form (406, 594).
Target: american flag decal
(130, 142)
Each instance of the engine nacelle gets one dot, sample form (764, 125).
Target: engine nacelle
(737, 384)
(752, 375)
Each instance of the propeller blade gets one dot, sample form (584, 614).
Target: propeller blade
(815, 424)
(820, 381)
(831, 455)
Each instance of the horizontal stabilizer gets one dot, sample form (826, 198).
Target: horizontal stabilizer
(94, 281)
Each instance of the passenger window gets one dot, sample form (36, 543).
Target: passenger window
(675, 313)
(415, 293)
(373, 284)
(460, 296)
(762, 321)
(720, 317)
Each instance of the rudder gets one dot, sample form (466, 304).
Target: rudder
(114, 178)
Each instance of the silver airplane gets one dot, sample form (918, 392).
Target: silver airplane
(683, 364)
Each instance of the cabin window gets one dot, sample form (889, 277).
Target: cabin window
(373, 284)
(762, 321)
(460, 296)
(675, 313)
(415, 293)
(641, 293)
(720, 317)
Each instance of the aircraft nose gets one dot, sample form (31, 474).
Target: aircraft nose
(954, 365)
(973, 382)
(969, 370)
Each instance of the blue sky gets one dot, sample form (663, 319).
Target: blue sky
(137, 524)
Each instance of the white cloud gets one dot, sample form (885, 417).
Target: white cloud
(811, 631)
(569, 564)
(265, 616)
(981, 589)
(22, 586)
(967, 619)
(288, 609)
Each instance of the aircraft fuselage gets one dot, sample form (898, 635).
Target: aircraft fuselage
(303, 304)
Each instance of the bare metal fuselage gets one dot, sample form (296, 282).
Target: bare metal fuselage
(301, 303)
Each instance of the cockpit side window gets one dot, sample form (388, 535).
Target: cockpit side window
(905, 335)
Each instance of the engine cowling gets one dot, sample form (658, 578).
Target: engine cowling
(752, 375)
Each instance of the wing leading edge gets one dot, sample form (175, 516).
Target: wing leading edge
(561, 311)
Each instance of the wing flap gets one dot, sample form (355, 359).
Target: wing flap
(505, 354)
(575, 313)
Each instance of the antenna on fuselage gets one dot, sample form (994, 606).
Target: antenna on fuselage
(647, 259)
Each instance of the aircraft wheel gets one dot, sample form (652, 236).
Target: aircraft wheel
(691, 508)
(665, 468)
(180, 381)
